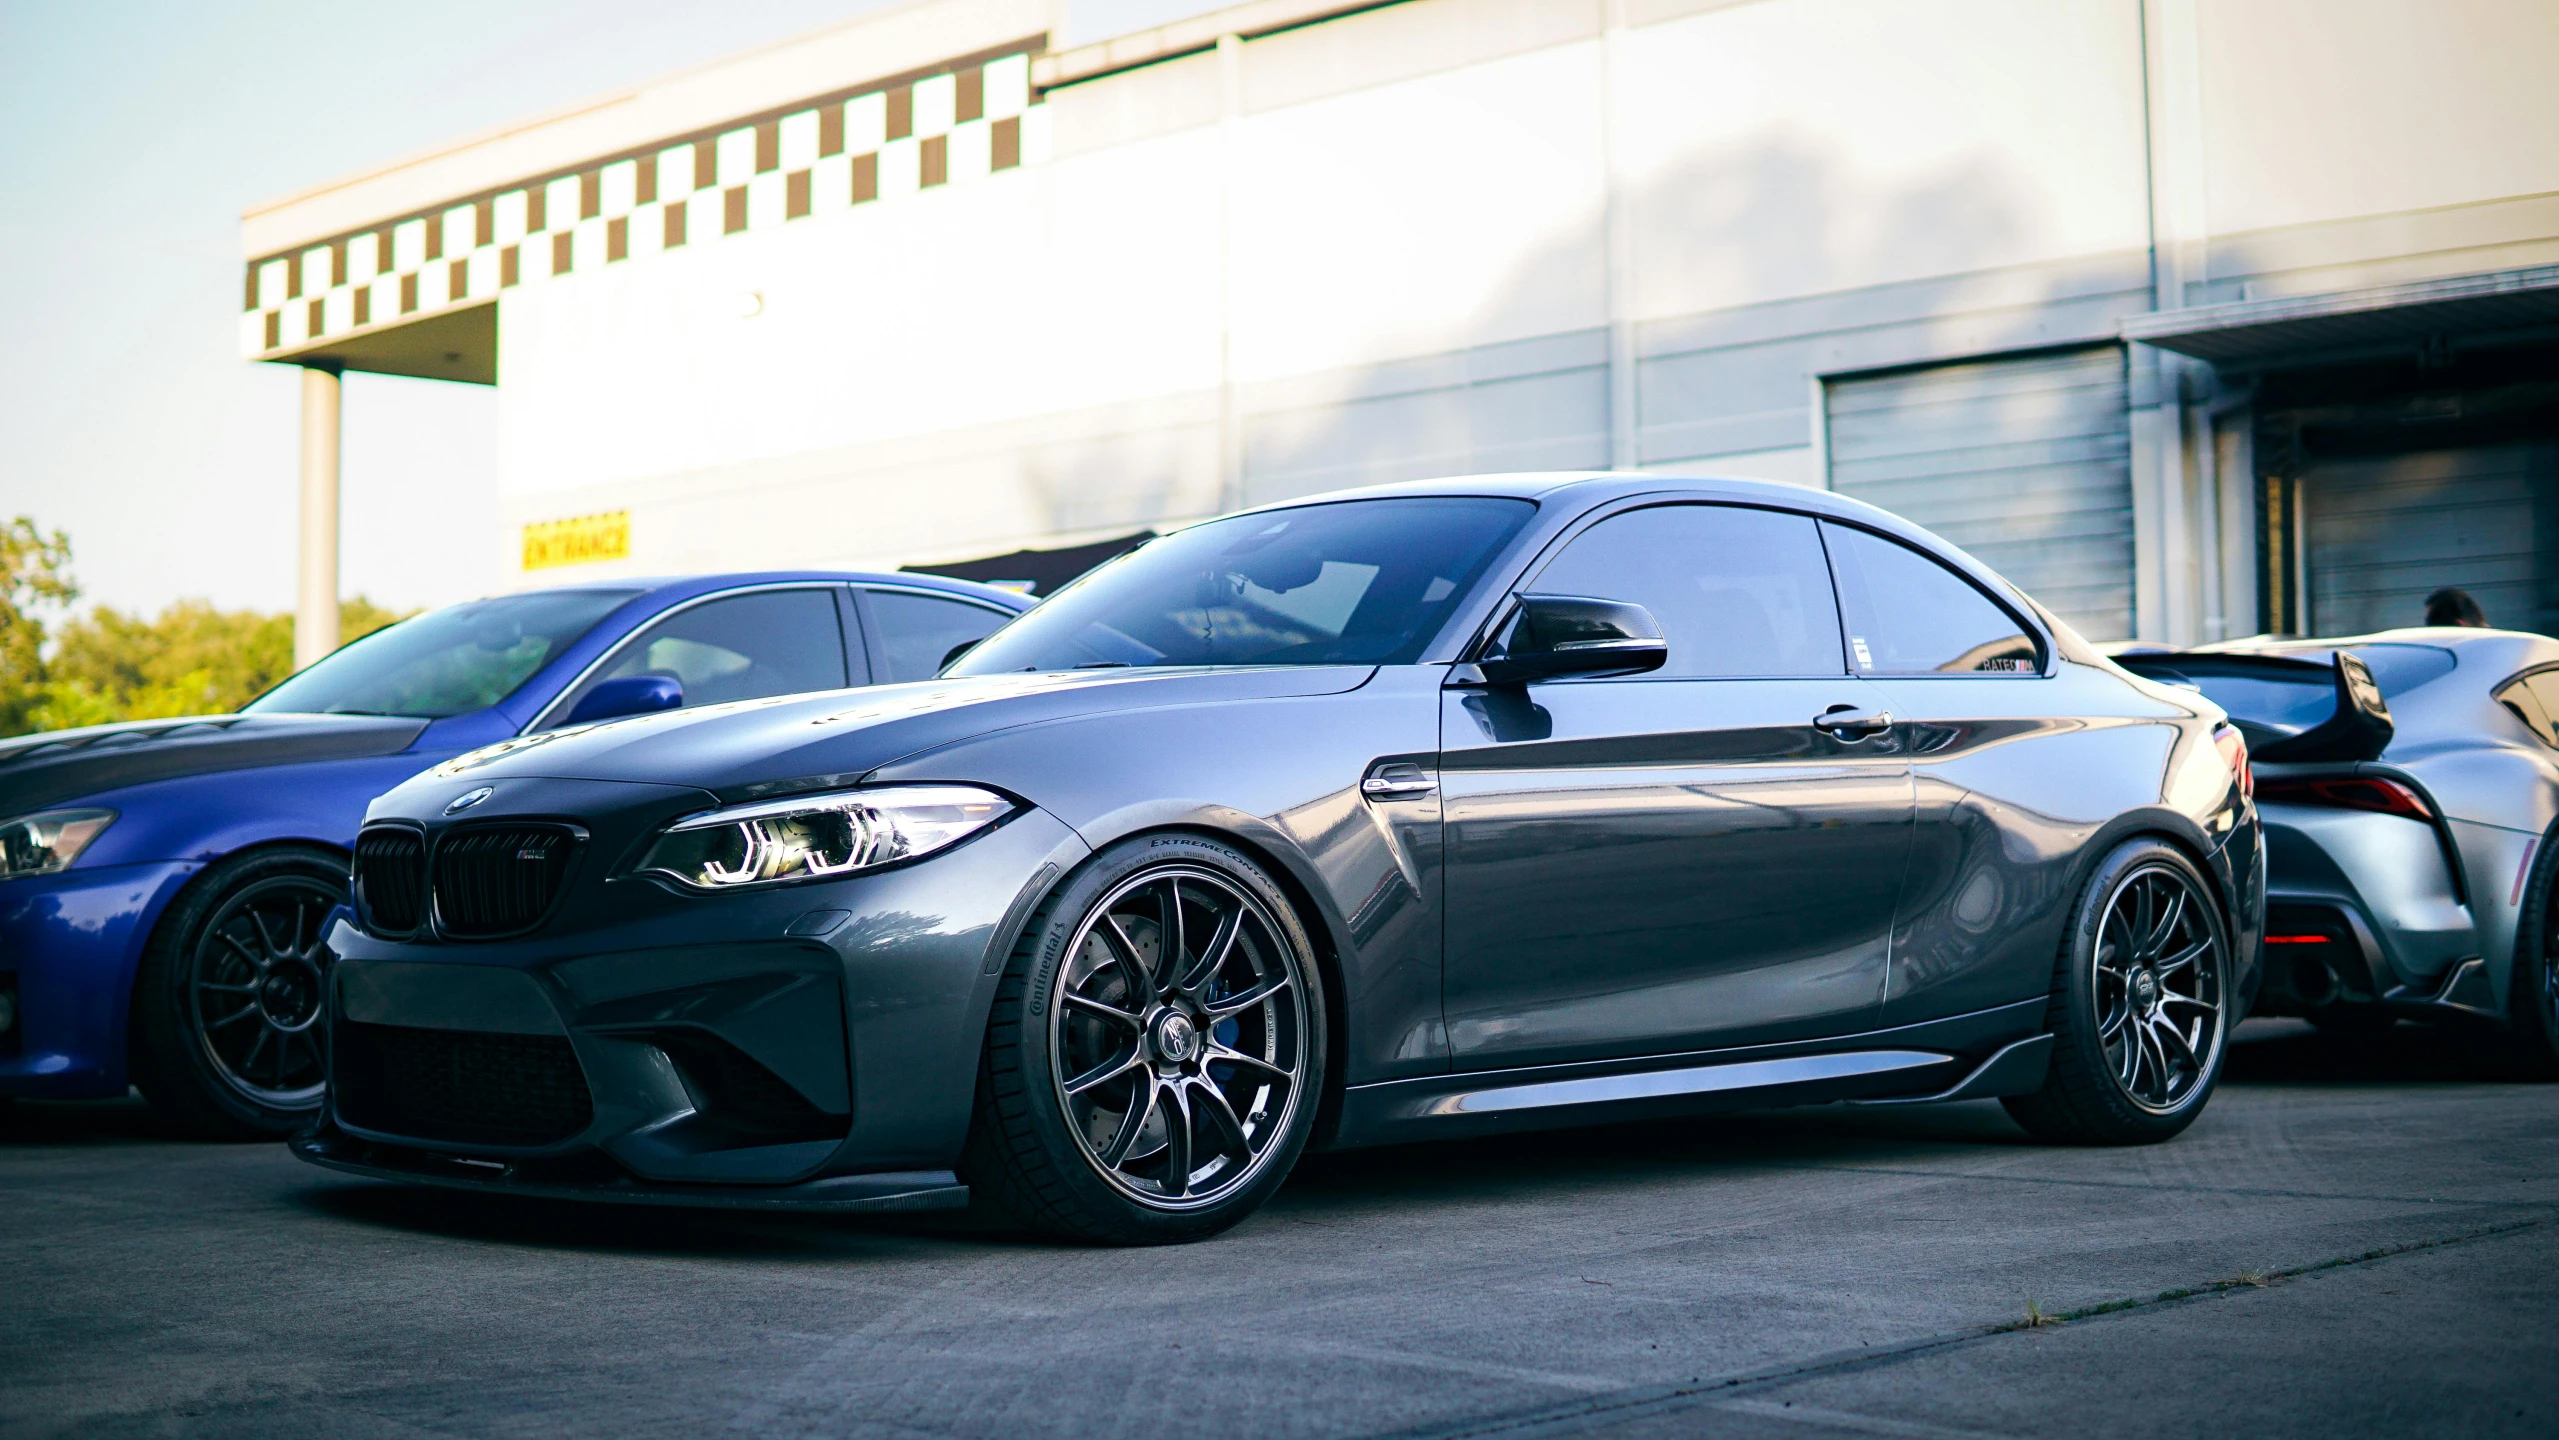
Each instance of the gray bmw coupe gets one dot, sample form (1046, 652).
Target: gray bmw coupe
(1431, 810)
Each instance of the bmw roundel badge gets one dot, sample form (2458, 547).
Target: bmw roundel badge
(465, 801)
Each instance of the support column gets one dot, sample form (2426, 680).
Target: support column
(1617, 237)
(315, 619)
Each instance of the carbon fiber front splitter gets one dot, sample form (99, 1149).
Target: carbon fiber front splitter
(891, 1192)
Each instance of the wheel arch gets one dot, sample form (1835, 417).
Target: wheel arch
(1294, 873)
(195, 885)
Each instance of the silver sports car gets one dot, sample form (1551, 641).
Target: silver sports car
(2409, 782)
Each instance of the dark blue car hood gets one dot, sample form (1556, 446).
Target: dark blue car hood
(46, 769)
(753, 748)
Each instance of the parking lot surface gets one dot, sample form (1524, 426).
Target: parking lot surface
(2353, 1239)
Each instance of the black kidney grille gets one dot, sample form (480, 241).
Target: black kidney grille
(499, 880)
(462, 1087)
(390, 879)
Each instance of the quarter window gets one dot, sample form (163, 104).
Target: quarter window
(1738, 592)
(1909, 615)
(2535, 701)
(919, 632)
(743, 647)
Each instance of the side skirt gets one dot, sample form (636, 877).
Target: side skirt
(1961, 1057)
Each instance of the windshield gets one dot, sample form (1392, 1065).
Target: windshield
(1357, 582)
(446, 662)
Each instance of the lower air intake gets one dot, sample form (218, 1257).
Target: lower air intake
(462, 1087)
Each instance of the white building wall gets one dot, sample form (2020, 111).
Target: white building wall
(1378, 246)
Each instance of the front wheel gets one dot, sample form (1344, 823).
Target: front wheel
(1156, 1050)
(2139, 1010)
(227, 1038)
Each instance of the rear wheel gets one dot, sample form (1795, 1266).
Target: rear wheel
(227, 1038)
(2532, 997)
(2139, 1005)
(1156, 1049)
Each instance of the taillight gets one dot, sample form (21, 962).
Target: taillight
(2234, 752)
(2352, 792)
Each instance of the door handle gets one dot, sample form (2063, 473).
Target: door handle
(1397, 782)
(1847, 722)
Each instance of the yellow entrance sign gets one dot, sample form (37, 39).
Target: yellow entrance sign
(577, 540)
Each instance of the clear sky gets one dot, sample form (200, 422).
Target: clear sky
(137, 133)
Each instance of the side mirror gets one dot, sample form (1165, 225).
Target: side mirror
(1550, 636)
(628, 695)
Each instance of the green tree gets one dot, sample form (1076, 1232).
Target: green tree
(190, 659)
(34, 573)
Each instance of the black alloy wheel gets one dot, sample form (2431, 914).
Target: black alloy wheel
(229, 1040)
(2139, 1008)
(1156, 1053)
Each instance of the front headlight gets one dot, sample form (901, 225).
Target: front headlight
(812, 836)
(43, 843)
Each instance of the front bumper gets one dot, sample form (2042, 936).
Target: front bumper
(69, 944)
(764, 1048)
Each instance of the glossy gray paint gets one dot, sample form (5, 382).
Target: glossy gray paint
(1643, 875)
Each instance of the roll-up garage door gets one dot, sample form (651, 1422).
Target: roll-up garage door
(2026, 462)
(2386, 531)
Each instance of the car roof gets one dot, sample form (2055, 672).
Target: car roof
(1576, 491)
(664, 588)
(1593, 485)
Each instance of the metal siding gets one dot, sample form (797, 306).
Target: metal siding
(2385, 532)
(2024, 462)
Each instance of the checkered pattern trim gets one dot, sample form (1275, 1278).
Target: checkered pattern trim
(961, 124)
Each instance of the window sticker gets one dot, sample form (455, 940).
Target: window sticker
(1865, 657)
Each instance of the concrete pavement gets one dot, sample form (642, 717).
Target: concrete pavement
(1793, 1272)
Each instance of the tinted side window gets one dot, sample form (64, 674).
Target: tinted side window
(1909, 615)
(771, 642)
(1738, 592)
(917, 632)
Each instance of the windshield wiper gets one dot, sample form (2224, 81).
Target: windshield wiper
(1103, 665)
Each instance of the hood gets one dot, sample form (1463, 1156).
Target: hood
(748, 749)
(46, 769)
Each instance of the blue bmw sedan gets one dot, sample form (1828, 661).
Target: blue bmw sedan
(165, 885)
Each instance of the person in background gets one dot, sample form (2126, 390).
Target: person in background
(2450, 606)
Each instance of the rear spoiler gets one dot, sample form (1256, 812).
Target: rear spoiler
(2358, 729)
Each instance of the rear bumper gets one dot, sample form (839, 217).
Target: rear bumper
(893, 1192)
(71, 942)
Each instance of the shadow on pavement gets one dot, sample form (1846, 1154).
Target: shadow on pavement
(2290, 1052)
(79, 1122)
(638, 1229)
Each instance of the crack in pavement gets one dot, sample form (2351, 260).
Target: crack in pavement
(1735, 1391)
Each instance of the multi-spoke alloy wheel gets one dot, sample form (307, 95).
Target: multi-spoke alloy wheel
(1180, 1017)
(229, 1039)
(2139, 1007)
(2159, 987)
(1156, 1050)
(255, 990)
